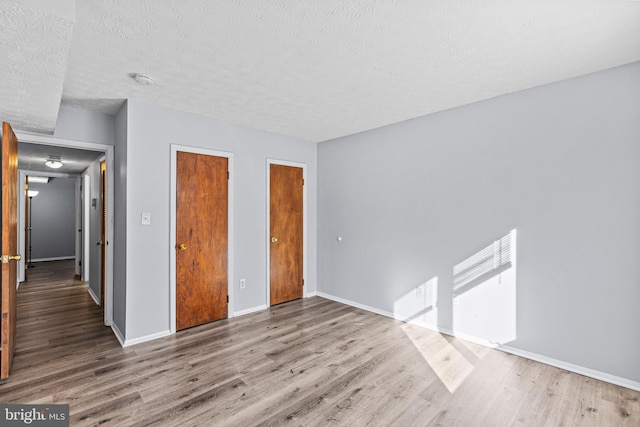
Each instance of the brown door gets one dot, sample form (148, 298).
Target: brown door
(286, 226)
(9, 163)
(27, 228)
(201, 239)
(103, 233)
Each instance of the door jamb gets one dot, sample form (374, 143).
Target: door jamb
(172, 228)
(268, 225)
(109, 154)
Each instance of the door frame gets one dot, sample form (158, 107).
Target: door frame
(267, 239)
(108, 150)
(172, 227)
(22, 210)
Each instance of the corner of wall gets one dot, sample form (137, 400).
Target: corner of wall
(120, 221)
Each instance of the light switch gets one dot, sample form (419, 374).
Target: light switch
(146, 218)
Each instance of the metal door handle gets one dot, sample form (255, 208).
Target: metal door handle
(182, 247)
(7, 258)
(274, 239)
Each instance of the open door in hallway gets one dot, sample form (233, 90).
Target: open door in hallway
(103, 233)
(202, 198)
(9, 164)
(286, 229)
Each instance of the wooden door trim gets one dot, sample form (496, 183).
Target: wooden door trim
(108, 151)
(175, 148)
(267, 239)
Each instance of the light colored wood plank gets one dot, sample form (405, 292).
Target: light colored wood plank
(310, 362)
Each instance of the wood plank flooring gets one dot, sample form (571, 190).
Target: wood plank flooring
(310, 362)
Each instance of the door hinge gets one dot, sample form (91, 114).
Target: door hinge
(227, 299)
(303, 181)
(228, 175)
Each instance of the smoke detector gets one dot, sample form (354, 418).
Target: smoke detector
(142, 79)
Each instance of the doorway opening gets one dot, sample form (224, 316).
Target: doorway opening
(89, 166)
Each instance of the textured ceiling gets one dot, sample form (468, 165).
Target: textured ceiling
(34, 49)
(312, 69)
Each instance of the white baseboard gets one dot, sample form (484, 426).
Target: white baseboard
(356, 304)
(587, 372)
(93, 295)
(250, 310)
(118, 334)
(310, 294)
(592, 373)
(55, 258)
(146, 338)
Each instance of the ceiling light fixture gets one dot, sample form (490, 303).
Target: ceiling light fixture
(38, 179)
(142, 79)
(54, 162)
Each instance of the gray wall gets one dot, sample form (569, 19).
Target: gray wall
(53, 219)
(559, 163)
(85, 126)
(120, 226)
(151, 130)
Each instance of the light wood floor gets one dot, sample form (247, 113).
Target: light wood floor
(310, 362)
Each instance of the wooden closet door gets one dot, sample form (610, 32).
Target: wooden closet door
(286, 230)
(202, 239)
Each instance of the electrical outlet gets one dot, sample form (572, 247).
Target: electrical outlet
(146, 218)
(243, 283)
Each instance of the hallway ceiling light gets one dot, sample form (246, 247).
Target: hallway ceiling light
(38, 179)
(54, 162)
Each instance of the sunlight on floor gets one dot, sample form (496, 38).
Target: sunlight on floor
(448, 363)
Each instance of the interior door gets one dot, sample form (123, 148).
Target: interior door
(103, 233)
(9, 271)
(27, 228)
(286, 229)
(202, 239)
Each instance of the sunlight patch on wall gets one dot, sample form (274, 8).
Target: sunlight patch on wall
(484, 292)
(419, 304)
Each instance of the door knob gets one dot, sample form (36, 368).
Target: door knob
(274, 239)
(182, 247)
(7, 258)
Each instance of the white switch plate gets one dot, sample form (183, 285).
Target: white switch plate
(146, 218)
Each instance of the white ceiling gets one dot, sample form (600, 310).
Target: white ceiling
(314, 70)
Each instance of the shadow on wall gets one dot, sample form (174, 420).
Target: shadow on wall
(483, 299)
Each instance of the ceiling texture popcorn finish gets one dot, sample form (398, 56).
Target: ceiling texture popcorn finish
(34, 51)
(315, 70)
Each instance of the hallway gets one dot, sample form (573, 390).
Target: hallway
(59, 329)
